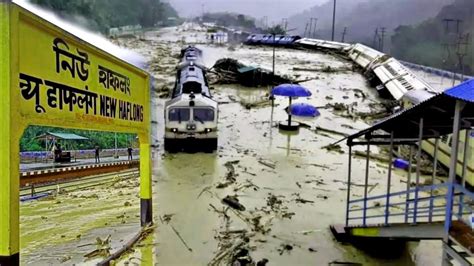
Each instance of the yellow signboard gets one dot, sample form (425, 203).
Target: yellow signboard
(50, 77)
(63, 78)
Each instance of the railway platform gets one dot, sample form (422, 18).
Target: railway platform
(27, 167)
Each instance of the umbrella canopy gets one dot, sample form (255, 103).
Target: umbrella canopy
(304, 109)
(291, 90)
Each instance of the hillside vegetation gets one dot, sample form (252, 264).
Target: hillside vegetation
(101, 15)
(362, 17)
(425, 43)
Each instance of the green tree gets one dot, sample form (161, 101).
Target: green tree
(101, 15)
(276, 30)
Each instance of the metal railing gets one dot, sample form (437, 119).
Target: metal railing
(420, 204)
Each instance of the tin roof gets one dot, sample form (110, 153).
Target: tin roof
(464, 91)
(63, 136)
(246, 69)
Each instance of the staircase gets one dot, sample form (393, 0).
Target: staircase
(416, 214)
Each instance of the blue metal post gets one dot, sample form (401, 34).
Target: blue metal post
(349, 174)
(365, 185)
(407, 200)
(389, 181)
(418, 165)
(435, 169)
(452, 169)
(464, 172)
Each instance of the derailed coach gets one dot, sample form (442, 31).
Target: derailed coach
(269, 39)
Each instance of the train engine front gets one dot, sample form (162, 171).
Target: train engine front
(191, 114)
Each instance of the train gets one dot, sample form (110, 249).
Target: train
(267, 39)
(191, 114)
(392, 79)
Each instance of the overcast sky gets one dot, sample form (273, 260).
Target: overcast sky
(274, 9)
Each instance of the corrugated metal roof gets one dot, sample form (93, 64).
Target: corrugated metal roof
(464, 91)
(64, 136)
(246, 69)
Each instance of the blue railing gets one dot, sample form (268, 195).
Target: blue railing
(419, 204)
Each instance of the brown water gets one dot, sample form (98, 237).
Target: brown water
(185, 184)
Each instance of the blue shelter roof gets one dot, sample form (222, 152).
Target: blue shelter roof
(464, 91)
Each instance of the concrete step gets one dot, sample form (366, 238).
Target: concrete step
(400, 231)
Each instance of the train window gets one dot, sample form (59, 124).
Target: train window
(179, 114)
(192, 86)
(203, 114)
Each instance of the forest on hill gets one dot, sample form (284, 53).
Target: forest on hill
(413, 30)
(101, 15)
(363, 17)
(440, 41)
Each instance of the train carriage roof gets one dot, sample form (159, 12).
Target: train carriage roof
(437, 113)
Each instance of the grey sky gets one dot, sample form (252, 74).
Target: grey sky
(274, 9)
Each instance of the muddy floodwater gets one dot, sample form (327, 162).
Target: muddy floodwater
(292, 188)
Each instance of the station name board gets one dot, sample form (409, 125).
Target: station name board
(70, 79)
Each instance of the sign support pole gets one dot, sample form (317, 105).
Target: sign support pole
(9, 148)
(146, 213)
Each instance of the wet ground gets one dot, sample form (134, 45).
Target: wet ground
(292, 188)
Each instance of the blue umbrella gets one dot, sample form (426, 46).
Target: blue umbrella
(304, 109)
(291, 90)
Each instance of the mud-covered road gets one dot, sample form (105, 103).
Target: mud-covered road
(291, 188)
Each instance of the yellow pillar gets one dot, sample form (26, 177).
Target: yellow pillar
(146, 213)
(9, 151)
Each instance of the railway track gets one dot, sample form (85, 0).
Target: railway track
(33, 191)
(47, 176)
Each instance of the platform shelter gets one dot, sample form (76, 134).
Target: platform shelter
(435, 211)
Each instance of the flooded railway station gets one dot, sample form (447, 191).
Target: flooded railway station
(265, 196)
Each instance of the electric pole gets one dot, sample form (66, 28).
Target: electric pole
(284, 24)
(314, 29)
(333, 20)
(273, 62)
(344, 34)
(305, 30)
(458, 22)
(382, 39)
(460, 42)
(376, 35)
(447, 47)
(461, 51)
(310, 26)
(202, 10)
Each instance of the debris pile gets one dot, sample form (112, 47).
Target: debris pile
(231, 71)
